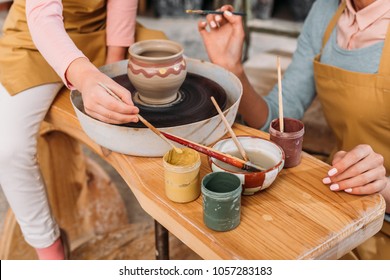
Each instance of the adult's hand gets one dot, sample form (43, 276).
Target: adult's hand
(223, 37)
(359, 171)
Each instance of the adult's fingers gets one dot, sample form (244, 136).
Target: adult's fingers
(370, 188)
(371, 162)
(202, 26)
(220, 19)
(350, 158)
(363, 181)
(338, 156)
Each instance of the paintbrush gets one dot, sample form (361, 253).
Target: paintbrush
(229, 159)
(145, 122)
(280, 95)
(207, 12)
(155, 130)
(231, 132)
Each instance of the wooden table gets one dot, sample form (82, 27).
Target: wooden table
(298, 217)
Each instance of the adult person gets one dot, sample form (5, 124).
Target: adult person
(343, 55)
(46, 44)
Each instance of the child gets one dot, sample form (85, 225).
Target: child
(46, 44)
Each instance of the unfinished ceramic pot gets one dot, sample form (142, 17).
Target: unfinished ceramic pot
(157, 69)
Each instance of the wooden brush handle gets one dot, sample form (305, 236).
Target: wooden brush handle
(155, 130)
(231, 132)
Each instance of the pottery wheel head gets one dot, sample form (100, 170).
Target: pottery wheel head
(192, 104)
(138, 100)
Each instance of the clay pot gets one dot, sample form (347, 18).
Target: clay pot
(157, 69)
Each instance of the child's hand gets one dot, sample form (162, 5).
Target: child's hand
(98, 103)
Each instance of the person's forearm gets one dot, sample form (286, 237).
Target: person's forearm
(253, 108)
(121, 22)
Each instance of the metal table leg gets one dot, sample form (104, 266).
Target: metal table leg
(162, 241)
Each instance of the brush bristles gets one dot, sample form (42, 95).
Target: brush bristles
(194, 11)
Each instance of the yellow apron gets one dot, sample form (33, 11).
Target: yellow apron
(21, 64)
(357, 108)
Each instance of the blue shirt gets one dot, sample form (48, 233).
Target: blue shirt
(298, 81)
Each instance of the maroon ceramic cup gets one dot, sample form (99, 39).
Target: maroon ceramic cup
(290, 140)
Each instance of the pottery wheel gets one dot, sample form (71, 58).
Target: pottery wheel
(192, 104)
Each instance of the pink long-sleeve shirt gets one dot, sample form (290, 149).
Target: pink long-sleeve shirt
(45, 21)
(359, 29)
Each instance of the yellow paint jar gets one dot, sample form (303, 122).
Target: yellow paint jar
(181, 175)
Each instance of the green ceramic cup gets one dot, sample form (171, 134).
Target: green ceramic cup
(221, 193)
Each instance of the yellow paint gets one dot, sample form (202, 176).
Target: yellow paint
(181, 174)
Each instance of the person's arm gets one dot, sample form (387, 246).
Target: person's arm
(121, 22)
(298, 82)
(45, 21)
(223, 42)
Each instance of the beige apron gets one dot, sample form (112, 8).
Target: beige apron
(21, 64)
(357, 108)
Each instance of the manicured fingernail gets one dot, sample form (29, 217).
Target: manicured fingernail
(334, 187)
(218, 18)
(326, 180)
(332, 172)
(348, 190)
(212, 24)
(228, 13)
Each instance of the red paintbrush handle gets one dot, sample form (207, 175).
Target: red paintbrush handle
(209, 151)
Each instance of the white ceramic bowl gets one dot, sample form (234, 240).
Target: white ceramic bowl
(261, 152)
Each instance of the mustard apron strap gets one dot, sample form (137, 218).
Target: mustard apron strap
(332, 24)
(384, 66)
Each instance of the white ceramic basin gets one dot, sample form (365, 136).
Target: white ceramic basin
(142, 141)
